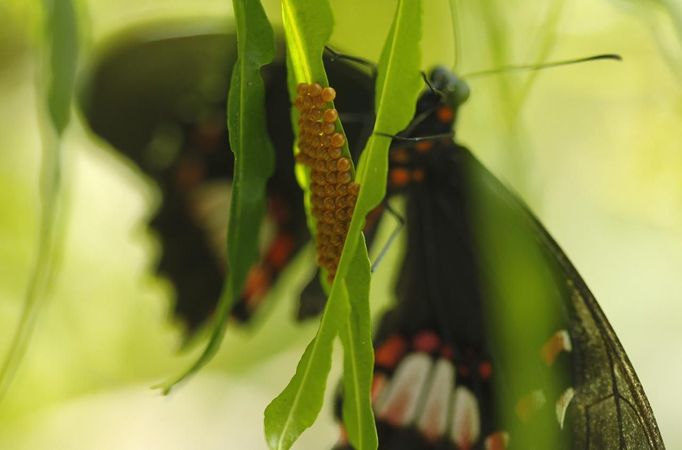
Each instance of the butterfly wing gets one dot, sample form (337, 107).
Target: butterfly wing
(609, 409)
(442, 379)
(158, 96)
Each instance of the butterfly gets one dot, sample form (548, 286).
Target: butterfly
(444, 377)
(439, 370)
(167, 119)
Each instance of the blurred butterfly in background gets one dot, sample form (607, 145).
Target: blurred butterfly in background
(443, 378)
(158, 96)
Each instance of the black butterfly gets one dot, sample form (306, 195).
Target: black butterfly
(159, 99)
(444, 378)
(158, 96)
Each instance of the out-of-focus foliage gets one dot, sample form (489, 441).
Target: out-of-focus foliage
(60, 44)
(596, 155)
(254, 165)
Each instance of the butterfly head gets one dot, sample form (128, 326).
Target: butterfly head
(453, 90)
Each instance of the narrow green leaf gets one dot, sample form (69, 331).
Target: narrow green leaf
(61, 44)
(308, 26)
(298, 405)
(398, 87)
(62, 32)
(254, 163)
(358, 357)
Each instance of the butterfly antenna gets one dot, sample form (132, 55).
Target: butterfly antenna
(524, 68)
(356, 59)
(414, 139)
(391, 238)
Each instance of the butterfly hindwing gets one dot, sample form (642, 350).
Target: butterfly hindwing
(158, 96)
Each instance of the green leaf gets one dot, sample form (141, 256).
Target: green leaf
(358, 357)
(298, 405)
(398, 87)
(61, 43)
(399, 83)
(62, 33)
(308, 26)
(254, 163)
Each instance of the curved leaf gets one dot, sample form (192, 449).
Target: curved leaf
(254, 163)
(358, 357)
(308, 26)
(398, 87)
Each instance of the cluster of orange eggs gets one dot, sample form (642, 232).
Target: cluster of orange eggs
(333, 193)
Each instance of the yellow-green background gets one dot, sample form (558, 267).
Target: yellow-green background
(596, 150)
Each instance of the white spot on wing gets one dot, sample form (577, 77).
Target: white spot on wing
(566, 344)
(210, 206)
(562, 405)
(433, 419)
(398, 404)
(466, 420)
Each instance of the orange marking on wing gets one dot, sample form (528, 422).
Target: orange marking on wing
(426, 341)
(558, 343)
(497, 441)
(257, 283)
(424, 146)
(485, 369)
(418, 175)
(390, 352)
(343, 438)
(280, 250)
(399, 177)
(378, 384)
(400, 155)
(445, 114)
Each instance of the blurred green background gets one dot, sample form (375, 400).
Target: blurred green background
(596, 150)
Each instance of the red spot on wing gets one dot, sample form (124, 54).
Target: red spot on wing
(424, 146)
(426, 341)
(399, 177)
(389, 353)
(399, 155)
(485, 369)
(555, 345)
(445, 114)
(280, 251)
(497, 441)
(257, 283)
(378, 384)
